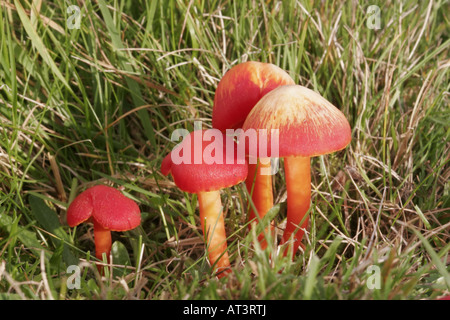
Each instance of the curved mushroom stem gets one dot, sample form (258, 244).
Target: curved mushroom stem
(259, 186)
(298, 185)
(102, 238)
(213, 226)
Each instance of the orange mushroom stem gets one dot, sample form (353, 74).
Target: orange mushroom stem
(259, 185)
(298, 188)
(213, 227)
(103, 242)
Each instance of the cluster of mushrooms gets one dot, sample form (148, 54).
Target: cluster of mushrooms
(251, 96)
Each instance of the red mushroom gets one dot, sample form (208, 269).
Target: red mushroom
(241, 88)
(237, 93)
(109, 210)
(203, 166)
(307, 125)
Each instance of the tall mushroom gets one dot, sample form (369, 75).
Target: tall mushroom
(205, 162)
(308, 125)
(109, 210)
(237, 93)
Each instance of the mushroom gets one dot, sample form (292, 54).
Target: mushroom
(204, 165)
(241, 88)
(307, 125)
(109, 210)
(237, 93)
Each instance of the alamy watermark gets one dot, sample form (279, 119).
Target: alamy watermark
(374, 17)
(74, 20)
(238, 143)
(74, 280)
(374, 279)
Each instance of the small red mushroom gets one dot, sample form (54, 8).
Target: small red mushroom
(237, 93)
(308, 125)
(109, 210)
(205, 166)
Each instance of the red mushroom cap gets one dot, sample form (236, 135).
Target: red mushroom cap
(241, 88)
(108, 206)
(307, 124)
(213, 163)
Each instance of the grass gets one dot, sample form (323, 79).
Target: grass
(98, 104)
